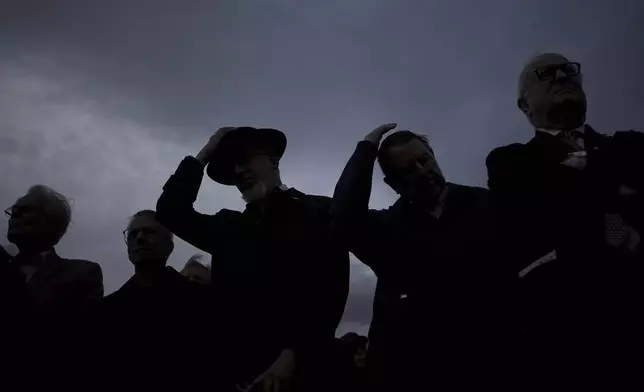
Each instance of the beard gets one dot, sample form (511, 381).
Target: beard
(427, 190)
(256, 192)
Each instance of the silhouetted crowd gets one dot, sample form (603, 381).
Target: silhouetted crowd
(535, 281)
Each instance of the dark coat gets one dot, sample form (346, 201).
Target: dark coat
(152, 334)
(50, 305)
(444, 285)
(282, 275)
(15, 305)
(585, 294)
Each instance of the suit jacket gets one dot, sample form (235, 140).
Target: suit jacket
(586, 292)
(444, 287)
(48, 307)
(65, 288)
(152, 334)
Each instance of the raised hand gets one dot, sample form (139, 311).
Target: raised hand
(206, 152)
(376, 135)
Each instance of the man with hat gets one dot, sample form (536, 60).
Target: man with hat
(572, 199)
(280, 274)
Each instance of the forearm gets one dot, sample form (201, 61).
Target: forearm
(175, 205)
(353, 190)
(180, 191)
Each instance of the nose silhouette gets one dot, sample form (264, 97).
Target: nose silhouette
(239, 169)
(560, 75)
(140, 238)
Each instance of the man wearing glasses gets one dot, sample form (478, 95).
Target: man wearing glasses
(53, 292)
(572, 200)
(442, 304)
(147, 322)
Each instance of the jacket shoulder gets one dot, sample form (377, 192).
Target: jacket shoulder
(224, 212)
(504, 153)
(311, 201)
(470, 194)
(317, 200)
(81, 267)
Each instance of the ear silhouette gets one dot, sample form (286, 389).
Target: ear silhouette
(523, 105)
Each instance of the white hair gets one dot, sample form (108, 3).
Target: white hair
(196, 261)
(56, 206)
(526, 72)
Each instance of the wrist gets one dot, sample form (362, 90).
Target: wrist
(374, 142)
(202, 158)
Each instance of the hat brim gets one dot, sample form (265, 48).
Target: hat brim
(221, 167)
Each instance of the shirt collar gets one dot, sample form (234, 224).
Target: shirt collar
(554, 132)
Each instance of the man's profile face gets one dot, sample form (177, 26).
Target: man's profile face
(28, 221)
(552, 90)
(413, 172)
(147, 241)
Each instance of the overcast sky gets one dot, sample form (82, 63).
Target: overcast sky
(102, 99)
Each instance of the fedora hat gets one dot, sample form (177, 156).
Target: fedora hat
(236, 143)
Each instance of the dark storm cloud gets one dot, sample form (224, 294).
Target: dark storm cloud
(102, 99)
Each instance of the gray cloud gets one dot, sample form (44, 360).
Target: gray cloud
(101, 100)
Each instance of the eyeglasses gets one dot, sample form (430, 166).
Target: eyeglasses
(16, 211)
(548, 73)
(131, 234)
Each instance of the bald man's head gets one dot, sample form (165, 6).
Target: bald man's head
(550, 92)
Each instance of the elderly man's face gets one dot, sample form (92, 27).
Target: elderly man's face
(553, 93)
(148, 243)
(28, 222)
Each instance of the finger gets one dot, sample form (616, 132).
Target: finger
(277, 385)
(384, 128)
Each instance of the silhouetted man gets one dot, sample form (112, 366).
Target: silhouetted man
(55, 291)
(142, 330)
(443, 282)
(572, 199)
(277, 266)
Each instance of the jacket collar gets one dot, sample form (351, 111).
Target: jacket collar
(45, 263)
(554, 132)
(557, 150)
(168, 277)
(277, 198)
